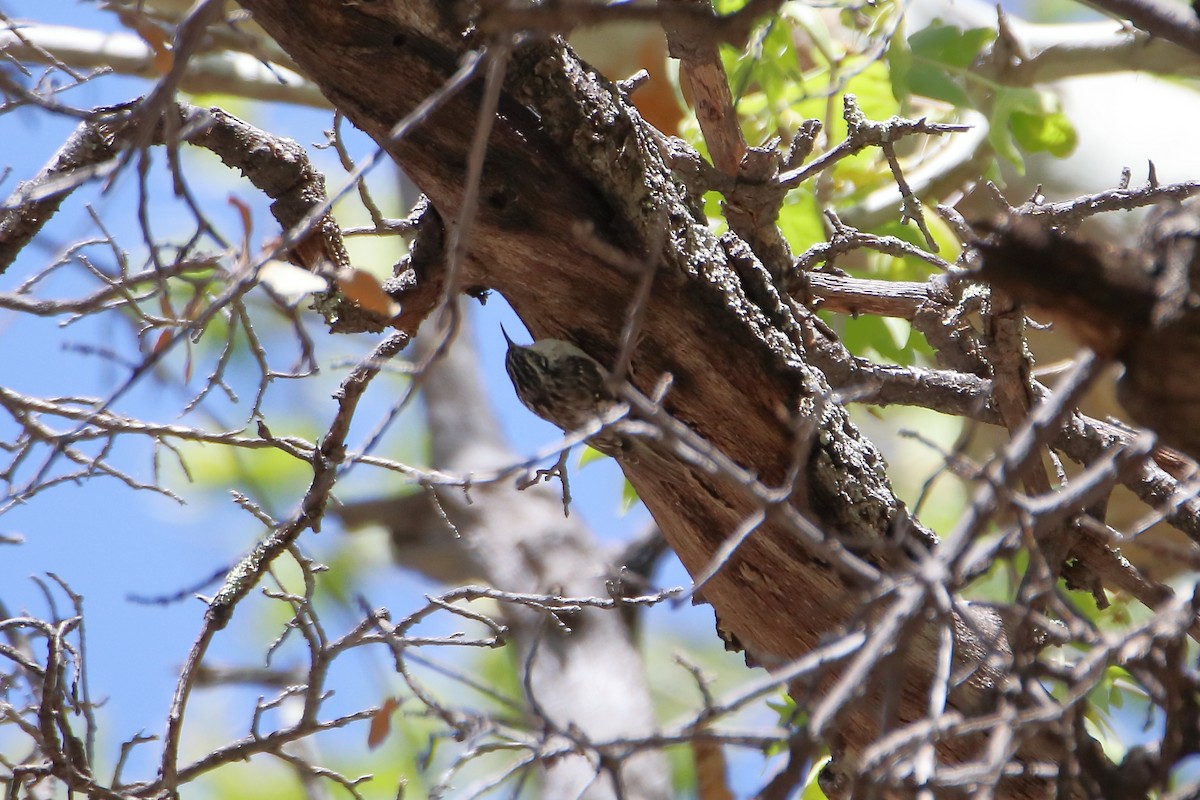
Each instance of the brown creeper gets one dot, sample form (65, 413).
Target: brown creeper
(563, 385)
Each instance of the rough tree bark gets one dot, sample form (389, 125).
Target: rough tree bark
(575, 201)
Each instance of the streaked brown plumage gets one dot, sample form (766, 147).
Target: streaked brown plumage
(563, 385)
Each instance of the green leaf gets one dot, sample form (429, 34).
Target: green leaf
(1050, 133)
(940, 56)
(588, 455)
(809, 21)
(900, 62)
(728, 6)
(1009, 100)
(1029, 120)
(949, 45)
(1116, 696)
(930, 80)
(786, 708)
(888, 338)
(800, 221)
(777, 73)
(629, 496)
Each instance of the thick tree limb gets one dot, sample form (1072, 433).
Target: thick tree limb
(1169, 21)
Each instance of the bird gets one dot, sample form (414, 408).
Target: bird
(563, 385)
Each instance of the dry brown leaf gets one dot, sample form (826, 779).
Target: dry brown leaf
(381, 723)
(365, 291)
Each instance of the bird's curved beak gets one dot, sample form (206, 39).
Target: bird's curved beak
(506, 336)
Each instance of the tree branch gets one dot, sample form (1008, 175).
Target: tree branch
(1166, 20)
